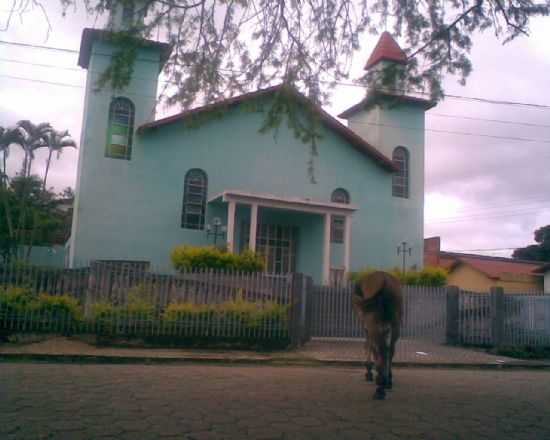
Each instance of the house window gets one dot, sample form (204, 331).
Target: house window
(338, 222)
(400, 182)
(121, 129)
(194, 199)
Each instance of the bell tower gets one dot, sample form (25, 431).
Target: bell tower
(392, 119)
(109, 146)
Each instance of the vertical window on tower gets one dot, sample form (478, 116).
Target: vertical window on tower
(121, 129)
(338, 222)
(194, 199)
(400, 182)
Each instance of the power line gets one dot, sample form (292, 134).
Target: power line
(43, 81)
(37, 46)
(484, 217)
(500, 121)
(461, 133)
(74, 69)
(461, 97)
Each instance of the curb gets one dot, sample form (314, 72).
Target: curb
(229, 361)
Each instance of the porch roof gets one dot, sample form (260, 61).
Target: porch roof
(281, 202)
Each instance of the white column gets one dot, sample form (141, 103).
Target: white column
(347, 243)
(231, 226)
(253, 226)
(326, 250)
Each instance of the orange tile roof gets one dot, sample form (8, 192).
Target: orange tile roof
(386, 49)
(493, 267)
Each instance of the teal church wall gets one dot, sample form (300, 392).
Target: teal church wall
(132, 209)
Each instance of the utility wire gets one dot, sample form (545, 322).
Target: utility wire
(470, 98)
(485, 217)
(492, 211)
(433, 130)
(429, 114)
(461, 133)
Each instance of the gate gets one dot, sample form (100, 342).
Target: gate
(424, 313)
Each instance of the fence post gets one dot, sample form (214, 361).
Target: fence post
(497, 316)
(297, 312)
(452, 324)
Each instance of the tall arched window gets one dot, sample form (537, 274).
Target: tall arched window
(337, 225)
(121, 129)
(400, 182)
(194, 199)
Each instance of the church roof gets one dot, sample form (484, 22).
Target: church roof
(386, 49)
(329, 121)
(376, 96)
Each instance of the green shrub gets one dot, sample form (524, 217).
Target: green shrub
(239, 316)
(21, 300)
(429, 276)
(186, 257)
(15, 299)
(135, 309)
(57, 307)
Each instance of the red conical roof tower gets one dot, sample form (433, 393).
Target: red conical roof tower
(386, 49)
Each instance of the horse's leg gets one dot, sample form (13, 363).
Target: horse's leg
(368, 361)
(388, 357)
(380, 392)
(394, 337)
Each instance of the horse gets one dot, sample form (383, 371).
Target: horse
(378, 300)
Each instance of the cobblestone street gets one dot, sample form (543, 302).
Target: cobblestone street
(63, 401)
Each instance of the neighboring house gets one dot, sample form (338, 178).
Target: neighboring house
(544, 270)
(146, 185)
(480, 272)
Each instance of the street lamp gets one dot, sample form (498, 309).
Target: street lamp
(216, 229)
(403, 250)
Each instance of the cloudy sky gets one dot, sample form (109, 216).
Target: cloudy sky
(487, 165)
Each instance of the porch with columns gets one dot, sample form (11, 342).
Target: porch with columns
(325, 210)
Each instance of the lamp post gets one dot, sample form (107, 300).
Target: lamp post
(403, 249)
(216, 229)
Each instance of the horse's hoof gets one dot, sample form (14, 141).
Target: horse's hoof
(379, 395)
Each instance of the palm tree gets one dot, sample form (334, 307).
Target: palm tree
(34, 136)
(8, 137)
(56, 141)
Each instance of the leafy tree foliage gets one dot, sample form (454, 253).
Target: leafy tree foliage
(227, 47)
(33, 214)
(539, 251)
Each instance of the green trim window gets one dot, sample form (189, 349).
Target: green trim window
(194, 199)
(338, 222)
(121, 129)
(400, 181)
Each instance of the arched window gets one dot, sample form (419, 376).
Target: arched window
(340, 195)
(194, 199)
(121, 129)
(400, 183)
(338, 222)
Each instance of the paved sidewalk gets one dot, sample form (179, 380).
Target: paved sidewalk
(213, 402)
(318, 351)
